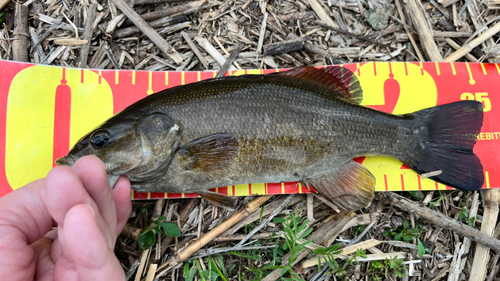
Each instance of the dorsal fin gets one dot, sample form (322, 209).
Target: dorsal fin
(338, 78)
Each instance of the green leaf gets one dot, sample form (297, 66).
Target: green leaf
(421, 248)
(221, 264)
(192, 272)
(414, 230)
(405, 224)
(279, 220)
(146, 239)
(210, 275)
(186, 270)
(170, 229)
(398, 237)
(306, 233)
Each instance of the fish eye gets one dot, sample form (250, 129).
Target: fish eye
(99, 139)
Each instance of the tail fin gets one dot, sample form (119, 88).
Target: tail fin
(447, 135)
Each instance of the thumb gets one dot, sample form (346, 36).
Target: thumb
(94, 260)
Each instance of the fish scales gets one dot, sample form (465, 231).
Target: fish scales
(286, 132)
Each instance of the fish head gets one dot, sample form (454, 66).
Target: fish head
(140, 147)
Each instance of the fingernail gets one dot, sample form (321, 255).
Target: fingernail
(92, 209)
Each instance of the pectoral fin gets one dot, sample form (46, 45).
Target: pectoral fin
(209, 153)
(350, 186)
(219, 200)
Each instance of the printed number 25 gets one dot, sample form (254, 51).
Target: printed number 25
(480, 97)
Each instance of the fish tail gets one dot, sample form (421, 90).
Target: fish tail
(444, 142)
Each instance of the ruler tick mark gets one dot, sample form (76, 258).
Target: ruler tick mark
(453, 68)
(484, 69)
(471, 80)
(150, 84)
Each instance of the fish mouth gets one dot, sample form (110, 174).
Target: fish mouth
(65, 161)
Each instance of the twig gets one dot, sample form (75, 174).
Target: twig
(412, 40)
(424, 30)
(319, 9)
(262, 33)
(151, 272)
(127, 31)
(142, 265)
(220, 15)
(3, 3)
(38, 48)
(441, 220)
(46, 34)
(161, 43)
(495, 268)
(467, 242)
(467, 47)
(20, 46)
(255, 216)
(283, 47)
(229, 61)
(360, 236)
(199, 243)
(87, 35)
(132, 269)
(111, 58)
(264, 235)
(184, 9)
(210, 252)
(195, 49)
(478, 271)
(210, 49)
(455, 46)
(267, 220)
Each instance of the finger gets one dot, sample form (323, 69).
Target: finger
(23, 220)
(63, 190)
(122, 202)
(44, 263)
(25, 211)
(92, 173)
(96, 260)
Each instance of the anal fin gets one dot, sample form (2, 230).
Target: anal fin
(219, 200)
(350, 186)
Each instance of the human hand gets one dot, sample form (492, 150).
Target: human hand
(89, 216)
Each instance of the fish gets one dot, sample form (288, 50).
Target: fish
(302, 125)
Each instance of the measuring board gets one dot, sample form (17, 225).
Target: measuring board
(45, 110)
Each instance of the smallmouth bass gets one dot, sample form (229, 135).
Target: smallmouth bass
(303, 125)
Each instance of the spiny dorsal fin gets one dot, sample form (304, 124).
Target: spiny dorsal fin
(213, 152)
(350, 186)
(338, 78)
